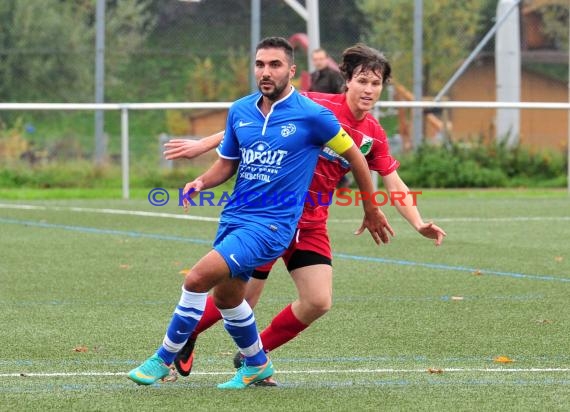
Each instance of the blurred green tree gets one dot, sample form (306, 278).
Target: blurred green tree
(555, 19)
(449, 31)
(47, 47)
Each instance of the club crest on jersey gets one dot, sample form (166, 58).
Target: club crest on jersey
(288, 130)
(366, 145)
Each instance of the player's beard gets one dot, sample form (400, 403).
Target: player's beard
(277, 89)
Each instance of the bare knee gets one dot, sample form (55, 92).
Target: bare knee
(229, 294)
(315, 307)
(195, 282)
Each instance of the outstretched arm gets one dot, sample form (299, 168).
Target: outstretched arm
(189, 149)
(405, 202)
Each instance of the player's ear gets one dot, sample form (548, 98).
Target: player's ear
(292, 71)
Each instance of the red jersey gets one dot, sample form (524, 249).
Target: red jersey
(331, 167)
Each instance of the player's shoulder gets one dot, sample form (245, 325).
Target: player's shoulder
(375, 129)
(309, 105)
(328, 100)
(250, 99)
(243, 107)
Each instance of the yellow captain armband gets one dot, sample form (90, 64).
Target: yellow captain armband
(341, 142)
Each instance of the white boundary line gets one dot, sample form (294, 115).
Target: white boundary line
(434, 371)
(503, 219)
(110, 212)
(215, 219)
(479, 219)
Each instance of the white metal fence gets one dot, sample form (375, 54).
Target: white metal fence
(124, 108)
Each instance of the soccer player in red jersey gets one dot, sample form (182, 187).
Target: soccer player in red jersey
(309, 259)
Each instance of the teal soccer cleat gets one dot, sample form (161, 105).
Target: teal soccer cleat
(238, 363)
(152, 370)
(249, 375)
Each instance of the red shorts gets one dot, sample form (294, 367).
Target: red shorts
(314, 240)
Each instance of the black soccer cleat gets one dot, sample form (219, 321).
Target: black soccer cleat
(267, 382)
(238, 360)
(185, 358)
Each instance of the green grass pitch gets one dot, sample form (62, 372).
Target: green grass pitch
(86, 294)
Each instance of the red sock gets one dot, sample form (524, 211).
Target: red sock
(284, 327)
(211, 315)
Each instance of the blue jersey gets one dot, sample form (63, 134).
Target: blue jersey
(277, 154)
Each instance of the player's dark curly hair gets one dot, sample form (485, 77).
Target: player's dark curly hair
(363, 58)
(277, 43)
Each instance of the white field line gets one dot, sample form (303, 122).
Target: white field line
(215, 219)
(110, 212)
(504, 219)
(480, 219)
(308, 372)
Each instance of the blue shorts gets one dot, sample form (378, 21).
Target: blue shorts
(246, 246)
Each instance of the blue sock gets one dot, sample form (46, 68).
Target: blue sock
(240, 324)
(184, 320)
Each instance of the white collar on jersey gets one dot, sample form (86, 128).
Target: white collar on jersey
(272, 108)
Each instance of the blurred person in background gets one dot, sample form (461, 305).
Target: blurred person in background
(325, 79)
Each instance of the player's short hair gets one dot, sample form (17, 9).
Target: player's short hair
(367, 59)
(277, 43)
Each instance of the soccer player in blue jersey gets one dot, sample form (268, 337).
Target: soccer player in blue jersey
(272, 140)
